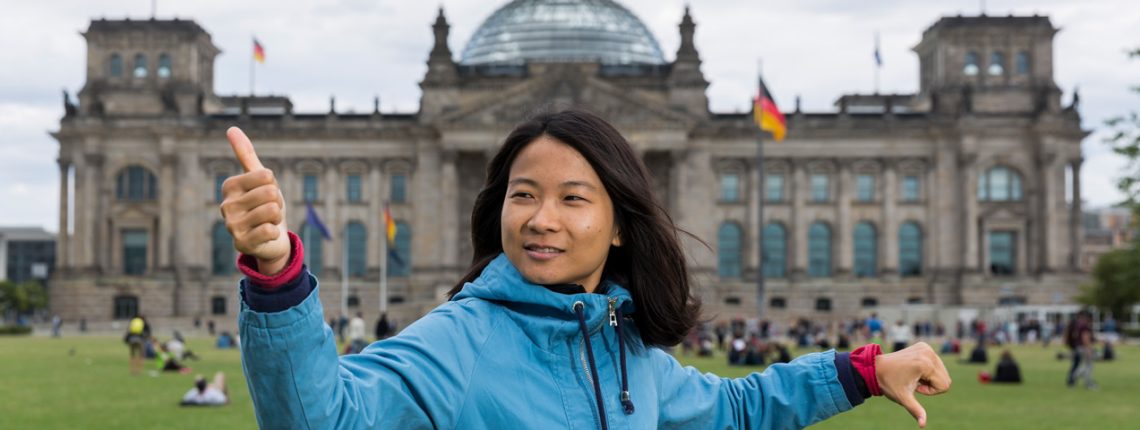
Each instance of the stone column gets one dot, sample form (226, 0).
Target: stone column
(678, 180)
(62, 253)
(449, 208)
(166, 221)
(844, 183)
(798, 243)
(1076, 216)
(970, 258)
(82, 208)
(1051, 191)
(889, 234)
(100, 197)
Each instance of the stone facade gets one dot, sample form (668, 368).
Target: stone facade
(925, 154)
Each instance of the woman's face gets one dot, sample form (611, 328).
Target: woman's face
(557, 220)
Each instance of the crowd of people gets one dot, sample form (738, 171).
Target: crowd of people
(761, 342)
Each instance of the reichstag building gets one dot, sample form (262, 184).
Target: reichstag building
(953, 196)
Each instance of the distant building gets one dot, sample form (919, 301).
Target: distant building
(950, 196)
(1105, 230)
(26, 254)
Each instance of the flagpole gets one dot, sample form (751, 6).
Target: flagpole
(878, 62)
(252, 60)
(760, 203)
(384, 264)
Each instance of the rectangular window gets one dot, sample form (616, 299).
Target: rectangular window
(353, 190)
(218, 305)
(910, 188)
(865, 188)
(310, 188)
(820, 191)
(1003, 252)
(219, 179)
(398, 189)
(730, 187)
(774, 187)
(135, 243)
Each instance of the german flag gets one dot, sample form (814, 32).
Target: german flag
(767, 115)
(258, 52)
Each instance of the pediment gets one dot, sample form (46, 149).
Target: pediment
(625, 108)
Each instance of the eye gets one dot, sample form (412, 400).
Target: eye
(572, 197)
(521, 194)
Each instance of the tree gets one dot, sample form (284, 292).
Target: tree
(1116, 277)
(1116, 282)
(1124, 137)
(21, 299)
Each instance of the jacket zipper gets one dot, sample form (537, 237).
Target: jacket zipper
(582, 343)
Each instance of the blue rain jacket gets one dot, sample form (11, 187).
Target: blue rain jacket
(506, 353)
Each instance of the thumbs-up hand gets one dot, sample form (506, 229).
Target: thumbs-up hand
(254, 209)
(916, 368)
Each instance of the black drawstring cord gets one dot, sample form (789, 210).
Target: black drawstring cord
(626, 403)
(579, 309)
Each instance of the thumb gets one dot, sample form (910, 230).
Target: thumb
(907, 400)
(243, 149)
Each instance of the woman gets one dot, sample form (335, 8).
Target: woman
(578, 279)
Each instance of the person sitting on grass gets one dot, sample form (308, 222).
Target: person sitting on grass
(203, 394)
(1007, 369)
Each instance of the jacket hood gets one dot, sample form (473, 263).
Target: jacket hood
(546, 312)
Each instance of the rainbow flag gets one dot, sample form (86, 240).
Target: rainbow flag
(258, 52)
(390, 225)
(767, 115)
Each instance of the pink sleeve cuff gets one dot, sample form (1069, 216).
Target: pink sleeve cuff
(863, 359)
(247, 264)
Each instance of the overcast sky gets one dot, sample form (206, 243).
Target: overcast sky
(356, 49)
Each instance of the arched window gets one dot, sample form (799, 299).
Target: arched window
(1022, 66)
(400, 255)
(222, 250)
(219, 180)
(116, 65)
(775, 251)
(140, 66)
(126, 307)
(870, 302)
(778, 303)
(910, 249)
(999, 184)
(353, 301)
(136, 183)
(866, 250)
(971, 67)
(163, 66)
(728, 250)
(819, 250)
(313, 241)
(730, 187)
(357, 248)
(997, 64)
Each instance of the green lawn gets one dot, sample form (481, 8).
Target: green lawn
(43, 385)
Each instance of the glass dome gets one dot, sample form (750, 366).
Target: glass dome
(562, 30)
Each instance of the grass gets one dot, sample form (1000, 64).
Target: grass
(83, 382)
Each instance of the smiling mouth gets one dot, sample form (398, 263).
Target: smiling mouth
(542, 249)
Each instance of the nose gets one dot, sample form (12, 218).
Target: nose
(545, 218)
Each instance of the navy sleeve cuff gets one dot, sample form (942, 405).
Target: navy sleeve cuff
(278, 299)
(849, 378)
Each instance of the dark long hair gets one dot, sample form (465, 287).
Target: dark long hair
(650, 263)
